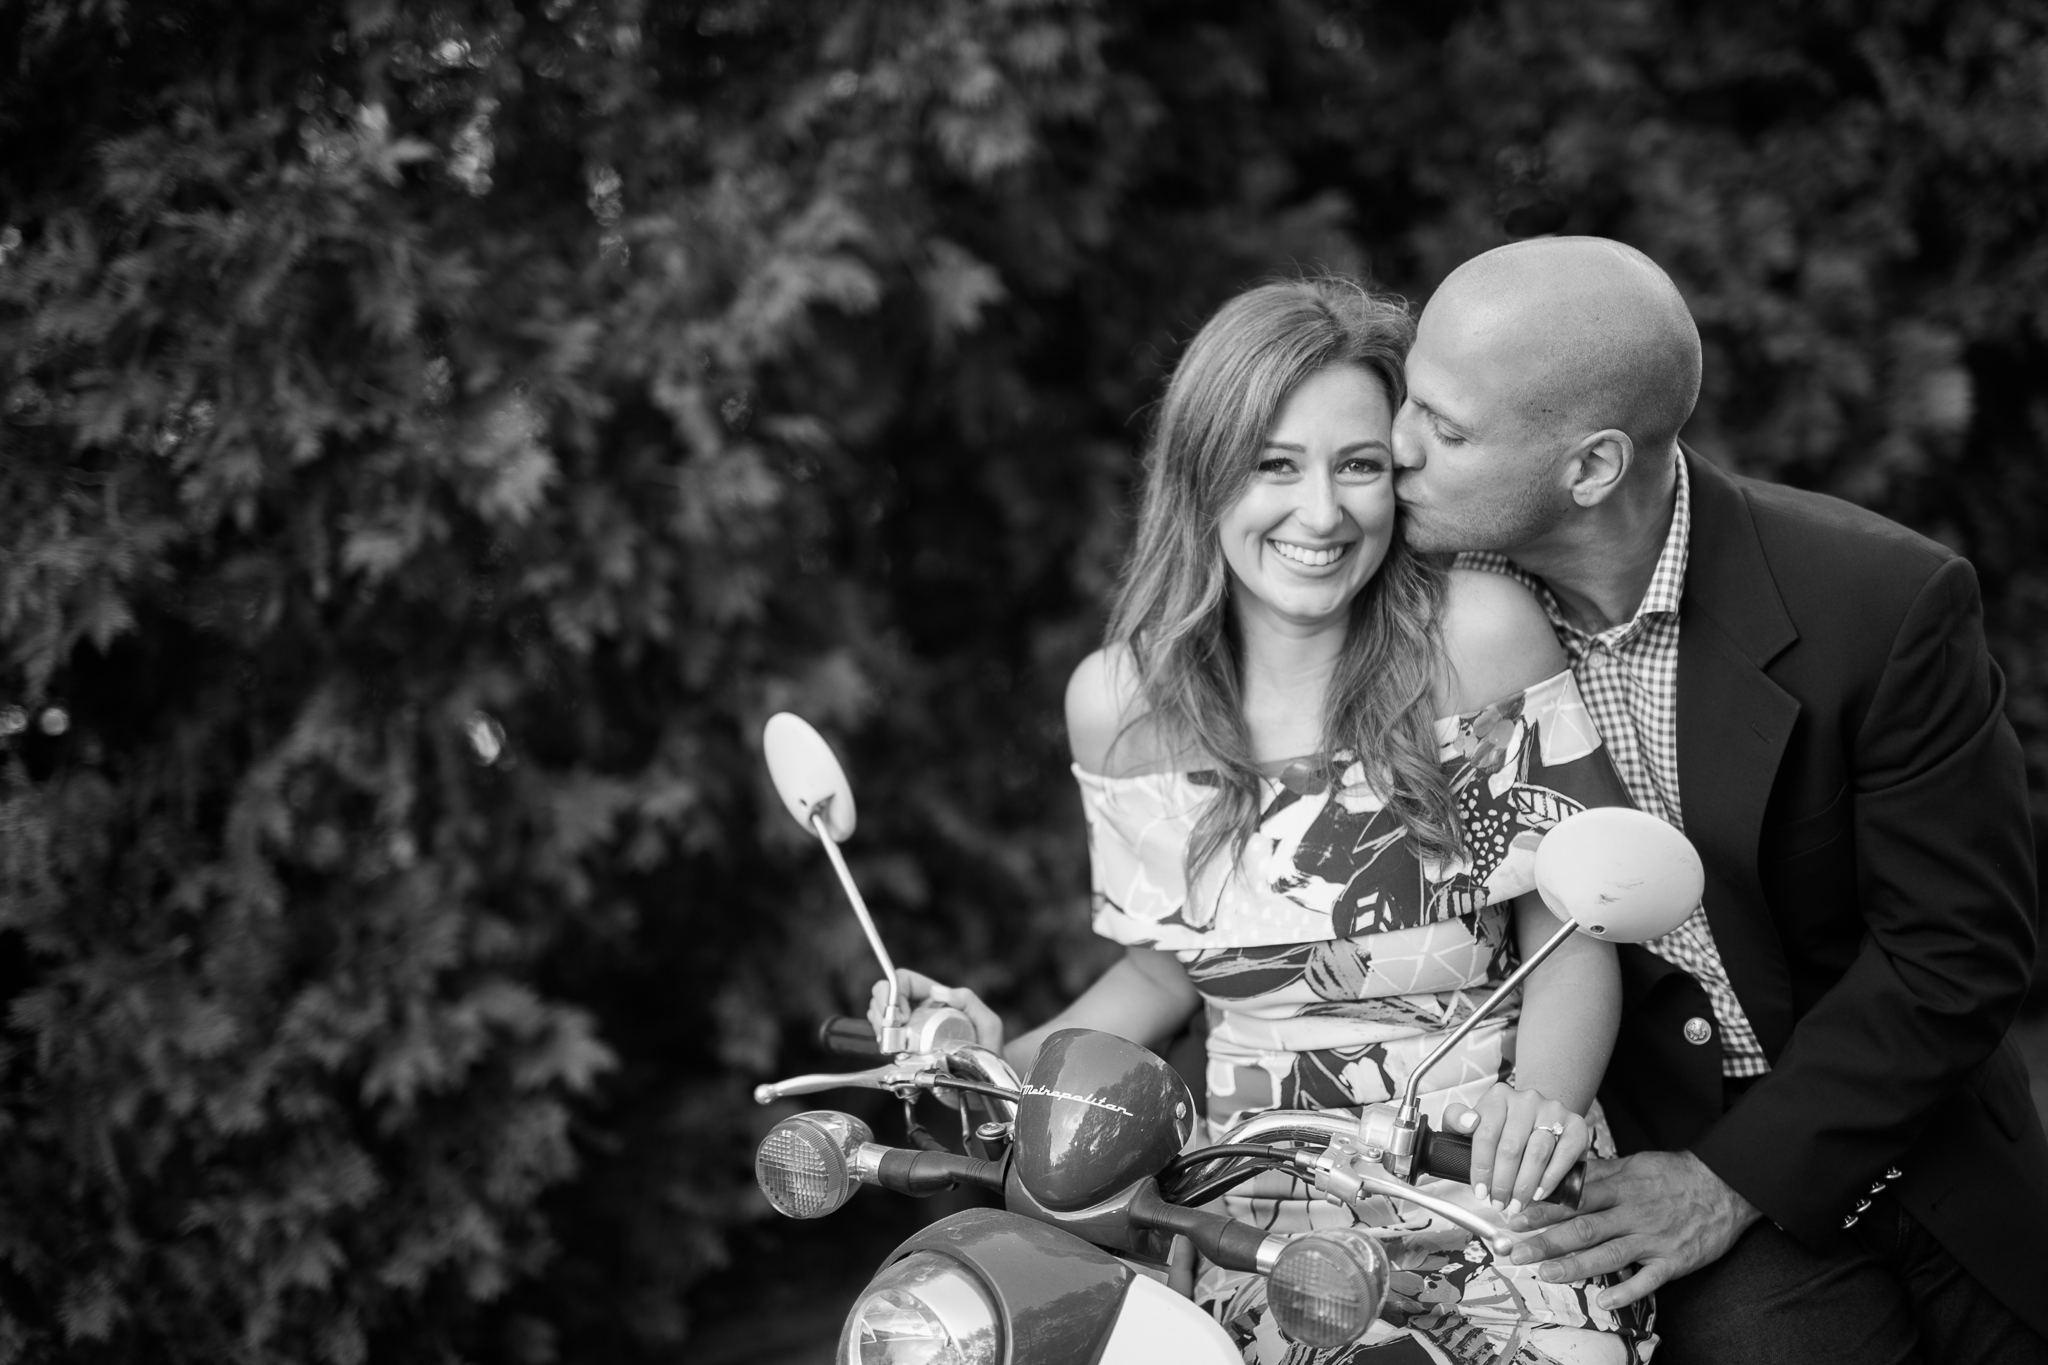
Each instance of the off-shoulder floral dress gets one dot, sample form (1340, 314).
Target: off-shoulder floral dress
(1332, 957)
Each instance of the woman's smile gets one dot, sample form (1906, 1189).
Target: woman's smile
(1310, 556)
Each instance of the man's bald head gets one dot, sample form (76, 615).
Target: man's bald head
(1587, 333)
(1546, 377)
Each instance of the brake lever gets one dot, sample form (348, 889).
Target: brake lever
(986, 1073)
(911, 1071)
(1344, 1173)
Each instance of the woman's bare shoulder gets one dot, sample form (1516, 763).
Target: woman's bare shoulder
(1497, 641)
(1106, 732)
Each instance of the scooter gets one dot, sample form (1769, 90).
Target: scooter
(1092, 1256)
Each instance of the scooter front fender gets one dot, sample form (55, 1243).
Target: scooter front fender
(1064, 1300)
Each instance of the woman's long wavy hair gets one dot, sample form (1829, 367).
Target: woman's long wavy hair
(1173, 605)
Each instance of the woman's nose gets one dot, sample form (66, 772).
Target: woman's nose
(1319, 512)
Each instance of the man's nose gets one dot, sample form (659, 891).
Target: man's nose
(1408, 453)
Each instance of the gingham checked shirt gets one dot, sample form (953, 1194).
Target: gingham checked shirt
(1629, 677)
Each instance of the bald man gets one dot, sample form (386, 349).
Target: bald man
(1831, 1150)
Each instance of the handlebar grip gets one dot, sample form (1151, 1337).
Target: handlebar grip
(1449, 1156)
(921, 1173)
(848, 1036)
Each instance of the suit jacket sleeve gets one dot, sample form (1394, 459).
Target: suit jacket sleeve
(1944, 859)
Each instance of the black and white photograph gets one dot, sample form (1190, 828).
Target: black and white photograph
(1023, 682)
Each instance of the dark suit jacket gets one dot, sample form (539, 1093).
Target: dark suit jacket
(1859, 801)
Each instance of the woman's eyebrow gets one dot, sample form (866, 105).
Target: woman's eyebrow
(1374, 444)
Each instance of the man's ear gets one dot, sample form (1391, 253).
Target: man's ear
(1597, 465)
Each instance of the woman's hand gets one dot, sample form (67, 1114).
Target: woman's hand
(1523, 1143)
(918, 988)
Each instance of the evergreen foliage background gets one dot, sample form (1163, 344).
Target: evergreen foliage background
(437, 435)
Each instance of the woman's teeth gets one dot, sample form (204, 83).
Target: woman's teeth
(1314, 559)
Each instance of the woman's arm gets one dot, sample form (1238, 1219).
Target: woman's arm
(1496, 643)
(1146, 996)
(1571, 1008)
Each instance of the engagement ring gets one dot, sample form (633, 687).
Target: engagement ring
(1556, 1130)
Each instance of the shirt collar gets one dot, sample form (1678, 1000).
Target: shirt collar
(1660, 599)
(1667, 579)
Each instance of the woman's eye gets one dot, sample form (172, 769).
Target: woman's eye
(1276, 464)
(1364, 468)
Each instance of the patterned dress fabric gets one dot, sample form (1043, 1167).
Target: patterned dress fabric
(1332, 957)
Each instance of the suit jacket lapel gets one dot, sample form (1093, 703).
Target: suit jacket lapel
(1733, 726)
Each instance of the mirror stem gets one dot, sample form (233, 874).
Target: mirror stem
(892, 1039)
(1407, 1117)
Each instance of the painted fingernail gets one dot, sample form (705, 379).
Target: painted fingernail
(1479, 1189)
(1514, 1207)
(1541, 1192)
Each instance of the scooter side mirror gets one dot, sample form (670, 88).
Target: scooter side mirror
(1624, 875)
(807, 775)
(811, 783)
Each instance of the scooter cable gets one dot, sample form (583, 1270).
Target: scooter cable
(920, 1137)
(976, 1087)
(1179, 1181)
(1201, 1156)
(1222, 1183)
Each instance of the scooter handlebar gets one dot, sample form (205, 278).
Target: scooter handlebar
(848, 1036)
(1229, 1243)
(922, 1173)
(1449, 1156)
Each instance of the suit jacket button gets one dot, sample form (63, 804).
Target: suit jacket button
(1698, 1030)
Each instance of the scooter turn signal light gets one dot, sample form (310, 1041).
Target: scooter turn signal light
(1327, 1287)
(805, 1166)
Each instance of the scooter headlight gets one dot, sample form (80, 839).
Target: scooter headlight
(924, 1310)
(805, 1164)
(1327, 1287)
